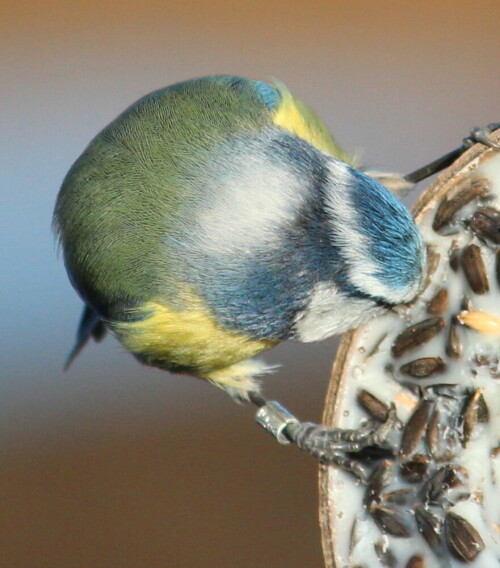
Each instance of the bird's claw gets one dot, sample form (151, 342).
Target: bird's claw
(345, 448)
(380, 435)
(481, 136)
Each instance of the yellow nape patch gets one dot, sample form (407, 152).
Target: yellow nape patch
(189, 340)
(296, 117)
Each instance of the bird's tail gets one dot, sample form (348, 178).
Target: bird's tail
(90, 326)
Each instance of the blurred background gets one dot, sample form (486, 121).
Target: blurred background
(113, 464)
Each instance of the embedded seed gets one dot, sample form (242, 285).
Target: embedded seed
(385, 555)
(415, 469)
(480, 321)
(453, 343)
(486, 224)
(475, 269)
(429, 526)
(466, 304)
(424, 367)
(375, 348)
(438, 303)
(433, 433)
(481, 360)
(447, 390)
(495, 453)
(415, 562)
(390, 521)
(448, 444)
(449, 206)
(354, 536)
(380, 478)
(463, 540)
(373, 406)
(399, 497)
(417, 335)
(454, 256)
(475, 411)
(443, 480)
(433, 259)
(415, 427)
(483, 414)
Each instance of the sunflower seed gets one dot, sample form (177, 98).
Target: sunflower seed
(475, 269)
(372, 405)
(483, 413)
(433, 433)
(415, 469)
(475, 411)
(448, 442)
(391, 521)
(453, 343)
(415, 427)
(444, 479)
(486, 224)
(429, 527)
(380, 477)
(463, 540)
(454, 256)
(433, 259)
(449, 206)
(385, 554)
(466, 304)
(399, 496)
(415, 562)
(417, 335)
(438, 303)
(424, 367)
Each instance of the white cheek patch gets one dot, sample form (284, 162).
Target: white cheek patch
(330, 312)
(355, 246)
(250, 205)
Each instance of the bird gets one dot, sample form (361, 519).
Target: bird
(217, 217)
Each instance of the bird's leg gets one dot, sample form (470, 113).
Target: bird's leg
(476, 135)
(345, 448)
(400, 185)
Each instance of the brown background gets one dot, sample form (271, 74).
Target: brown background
(112, 464)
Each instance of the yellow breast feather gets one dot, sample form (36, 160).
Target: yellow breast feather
(191, 341)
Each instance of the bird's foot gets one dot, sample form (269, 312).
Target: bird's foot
(480, 136)
(346, 448)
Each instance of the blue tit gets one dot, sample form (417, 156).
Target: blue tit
(217, 217)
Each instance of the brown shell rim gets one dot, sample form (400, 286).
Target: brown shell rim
(467, 163)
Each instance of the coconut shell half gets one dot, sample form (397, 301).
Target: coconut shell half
(437, 501)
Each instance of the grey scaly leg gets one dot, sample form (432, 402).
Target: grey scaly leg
(329, 445)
